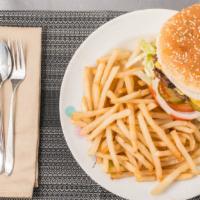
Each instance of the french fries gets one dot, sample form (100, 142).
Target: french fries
(130, 135)
(109, 139)
(151, 145)
(87, 87)
(107, 86)
(96, 84)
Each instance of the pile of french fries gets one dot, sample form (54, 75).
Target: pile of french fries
(130, 134)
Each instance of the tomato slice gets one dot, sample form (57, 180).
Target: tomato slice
(184, 107)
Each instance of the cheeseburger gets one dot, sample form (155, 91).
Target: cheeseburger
(172, 64)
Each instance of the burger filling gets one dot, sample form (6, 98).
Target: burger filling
(171, 99)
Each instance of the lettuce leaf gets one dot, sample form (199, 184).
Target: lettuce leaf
(149, 66)
(149, 50)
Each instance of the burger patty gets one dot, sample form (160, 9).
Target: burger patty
(163, 78)
(168, 89)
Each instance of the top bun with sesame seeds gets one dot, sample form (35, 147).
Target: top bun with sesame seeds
(178, 50)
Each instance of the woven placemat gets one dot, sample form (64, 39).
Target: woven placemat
(60, 177)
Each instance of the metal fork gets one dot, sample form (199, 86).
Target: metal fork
(17, 76)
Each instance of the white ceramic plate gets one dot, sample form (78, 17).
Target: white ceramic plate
(119, 32)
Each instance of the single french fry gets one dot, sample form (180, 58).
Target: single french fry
(84, 105)
(183, 151)
(185, 176)
(79, 123)
(174, 124)
(88, 114)
(107, 86)
(95, 145)
(145, 172)
(88, 87)
(129, 82)
(105, 165)
(132, 127)
(146, 178)
(150, 144)
(159, 131)
(109, 66)
(98, 121)
(109, 139)
(99, 73)
(184, 129)
(168, 163)
(121, 175)
(134, 95)
(163, 153)
(96, 91)
(119, 86)
(96, 84)
(130, 72)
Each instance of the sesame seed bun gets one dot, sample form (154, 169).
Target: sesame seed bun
(178, 50)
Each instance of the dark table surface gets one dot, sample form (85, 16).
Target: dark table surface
(60, 175)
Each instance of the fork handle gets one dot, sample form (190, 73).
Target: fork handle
(9, 161)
